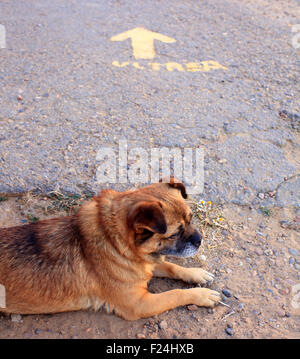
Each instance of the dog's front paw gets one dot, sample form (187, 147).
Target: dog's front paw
(205, 297)
(199, 275)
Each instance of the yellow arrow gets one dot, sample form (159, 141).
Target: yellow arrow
(142, 41)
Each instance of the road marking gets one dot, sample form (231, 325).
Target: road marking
(138, 66)
(202, 66)
(123, 64)
(155, 66)
(142, 41)
(174, 66)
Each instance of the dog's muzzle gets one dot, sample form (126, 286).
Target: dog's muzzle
(185, 247)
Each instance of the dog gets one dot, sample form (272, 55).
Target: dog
(104, 256)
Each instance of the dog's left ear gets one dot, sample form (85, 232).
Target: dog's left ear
(173, 182)
(147, 215)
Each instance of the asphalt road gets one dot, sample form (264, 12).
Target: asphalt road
(223, 77)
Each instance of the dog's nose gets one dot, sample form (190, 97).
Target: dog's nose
(196, 239)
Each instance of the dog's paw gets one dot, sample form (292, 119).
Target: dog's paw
(205, 297)
(199, 275)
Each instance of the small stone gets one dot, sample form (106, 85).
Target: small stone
(260, 234)
(202, 258)
(192, 307)
(194, 317)
(163, 324)
(37, 331)
(281, 313)
(140, 336)
(210, 311)
(292, 261)
(297, 266)
(19, 98)
(285, 224)
(283, 291)
(229, 331)
(16, 318)
(259, 251)
(240, 307)
(271, 262)
(293, 252)
(261, 195)
(227, 293)
(268, 252)
(224, 233)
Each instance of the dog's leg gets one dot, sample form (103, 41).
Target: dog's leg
(190, 275)
(148, 304)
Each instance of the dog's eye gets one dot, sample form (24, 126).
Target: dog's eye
(142, 237)
(178, 233)
(174, 235)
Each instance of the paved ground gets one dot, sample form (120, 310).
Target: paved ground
(74, 97)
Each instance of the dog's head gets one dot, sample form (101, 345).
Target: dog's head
(159, 221)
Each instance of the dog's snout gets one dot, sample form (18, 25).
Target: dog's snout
(196, 239)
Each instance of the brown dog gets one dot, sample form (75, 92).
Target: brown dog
(105, 255)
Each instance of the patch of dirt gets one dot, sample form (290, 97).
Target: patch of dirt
(254, 254)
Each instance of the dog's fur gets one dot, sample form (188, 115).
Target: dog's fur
(105, 255)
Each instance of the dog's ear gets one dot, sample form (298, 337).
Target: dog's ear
(147, 215)
(173, 182)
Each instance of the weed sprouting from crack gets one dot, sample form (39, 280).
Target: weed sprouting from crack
(32, 205)
(65, 202)
(209, 219)
(265, 211)
(32, 218)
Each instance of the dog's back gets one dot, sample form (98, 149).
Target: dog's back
(37, 262)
